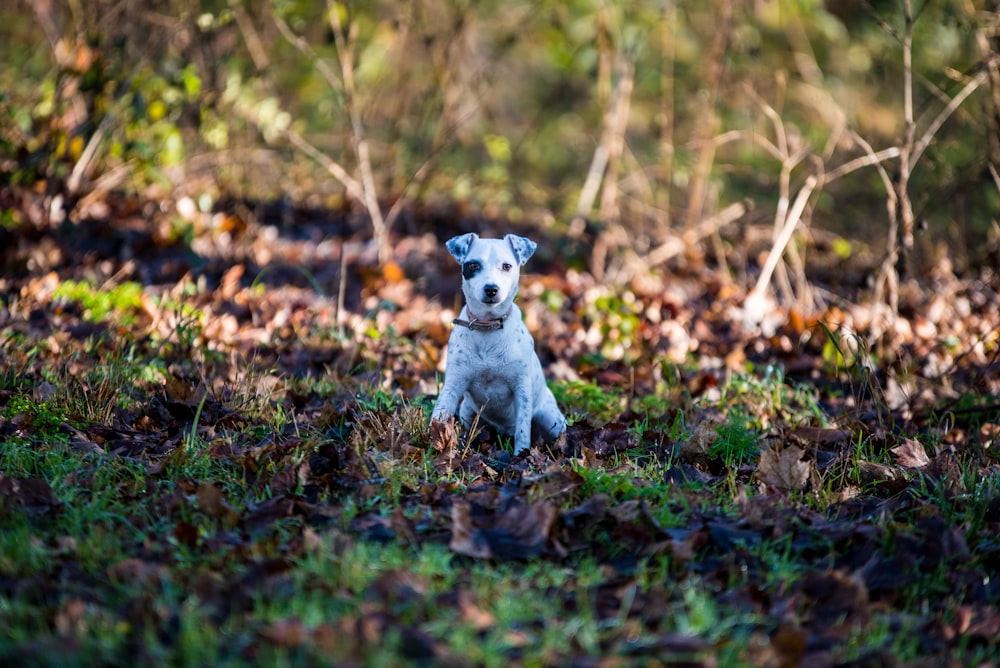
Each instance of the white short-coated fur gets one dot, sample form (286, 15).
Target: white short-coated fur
(494, 372)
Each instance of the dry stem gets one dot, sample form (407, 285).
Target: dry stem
(345, 55)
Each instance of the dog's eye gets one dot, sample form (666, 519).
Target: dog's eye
(470, 269)
(506, 266)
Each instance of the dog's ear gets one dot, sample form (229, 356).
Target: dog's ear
(522, 246)
(459, 246)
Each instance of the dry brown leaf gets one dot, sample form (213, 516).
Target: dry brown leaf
(519, 532)
(700, 441)
(212, 502)
(71, 620)
(784, 469)
(465, 538)
(34, 495)
(312, 542)
(911, 453)
(444, 434)
(480, 619)
(286, 632)
(138, 571)
(990, 434)
(887, 477)
(392, 272)
(588, 459)
(821, 435)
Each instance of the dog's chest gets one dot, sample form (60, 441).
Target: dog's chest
(494, 358)
(493, 383)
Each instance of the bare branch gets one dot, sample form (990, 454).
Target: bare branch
(306, 49)
(617, 125)
(956, 102)
(254, 45)
(778, 247)
(344, 55)
(354, 189)
(867, 160)
(676, 245)
(592, 183)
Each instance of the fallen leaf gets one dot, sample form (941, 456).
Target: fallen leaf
(392, 272)
(398, 586)
(790, 645)
(285, 632)
(480, 619)
(946, 468)
(186, 534)
(784, 469)
(212, 502)
(138, 571)
(444, 435)
(834, 596)
(911, 453)
(33, 495)
(71, 620)
(519, 532)
(589, 512)
(612, 438)
(465, 538)
(700, 441)
(588, 459)
(821, 435)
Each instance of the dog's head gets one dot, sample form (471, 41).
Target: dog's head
(490, 270)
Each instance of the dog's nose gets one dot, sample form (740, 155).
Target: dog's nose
(490, 291)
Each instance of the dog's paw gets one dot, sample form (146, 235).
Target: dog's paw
(521, 448)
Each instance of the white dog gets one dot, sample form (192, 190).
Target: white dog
(492, 368)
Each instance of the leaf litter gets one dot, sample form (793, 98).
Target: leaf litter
(262, 409)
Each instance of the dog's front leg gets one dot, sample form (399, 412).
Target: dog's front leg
(446, 405)
(522, 430)
(455, 384)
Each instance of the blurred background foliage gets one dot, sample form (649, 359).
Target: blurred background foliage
(498, 107)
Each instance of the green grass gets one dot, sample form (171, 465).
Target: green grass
(247, 529)
(738, 441)
(584, 400)
(122, 301)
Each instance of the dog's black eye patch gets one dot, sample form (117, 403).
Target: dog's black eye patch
(470, 269)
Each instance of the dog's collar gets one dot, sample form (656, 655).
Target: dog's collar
(482, 324)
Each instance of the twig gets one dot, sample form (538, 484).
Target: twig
(778, 248)
(250, 35)
(925, 139)
(304, 47)
(869, 159)
(664, 174)
(906, 151)
(592, 184)
(362, 190)
(610, 148)
(676, 245)
(75, 179)
(995, 175)
(76, 176)
(341, 291)
(617, 125)
(708, 119)
(344, 56)
(353, 187)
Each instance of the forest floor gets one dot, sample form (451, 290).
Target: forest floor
(215, 450)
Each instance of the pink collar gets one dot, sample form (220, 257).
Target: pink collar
(482, 324)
